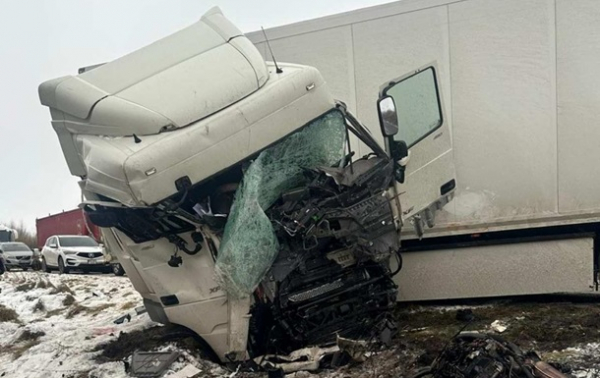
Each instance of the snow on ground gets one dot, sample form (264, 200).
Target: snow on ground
(66, 348)
(60, 320)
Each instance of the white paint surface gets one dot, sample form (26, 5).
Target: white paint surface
(503, 97)
(563, 266)
(520, 88)
(578, 51)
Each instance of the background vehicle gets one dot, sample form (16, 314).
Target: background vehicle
(73, 252)
(72, 222)
(7, 234)
(205, 106)
(16, 255)
(520, 85)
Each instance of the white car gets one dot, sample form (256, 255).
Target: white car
(16, 255)
(73, 252)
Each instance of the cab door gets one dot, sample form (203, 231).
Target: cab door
(418, 138)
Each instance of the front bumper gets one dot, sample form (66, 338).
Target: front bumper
(86, 263)
(17, 262)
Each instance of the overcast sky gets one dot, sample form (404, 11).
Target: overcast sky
(41, 40)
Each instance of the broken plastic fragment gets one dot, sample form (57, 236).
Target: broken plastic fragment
(499, 326)
(301, 359)
(187, 372)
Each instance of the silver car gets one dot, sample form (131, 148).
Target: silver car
(16, 255)
(73, 252)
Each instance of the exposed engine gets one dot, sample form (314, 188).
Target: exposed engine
(331, 276)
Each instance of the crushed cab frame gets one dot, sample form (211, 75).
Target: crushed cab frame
(232, 195)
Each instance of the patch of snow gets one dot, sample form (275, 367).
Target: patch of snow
(67, 348)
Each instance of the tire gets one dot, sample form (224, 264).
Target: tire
(62, 269)
(24, 268)
(117, 269)
(7, 268)
(45, 267)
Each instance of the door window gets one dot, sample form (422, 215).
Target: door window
(417, 104)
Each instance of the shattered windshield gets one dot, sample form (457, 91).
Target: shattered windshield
(249, 244)
(77, 241)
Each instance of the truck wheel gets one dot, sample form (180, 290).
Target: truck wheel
(62, 269)
(45, 267)
(118, 269)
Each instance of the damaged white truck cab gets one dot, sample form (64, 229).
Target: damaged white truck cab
(228, 188)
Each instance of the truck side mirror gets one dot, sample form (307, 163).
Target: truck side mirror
(387, 116)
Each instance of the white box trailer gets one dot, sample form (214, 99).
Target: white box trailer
(520, 87)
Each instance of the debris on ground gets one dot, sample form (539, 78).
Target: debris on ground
(307, 359)
(465, 315)
(188, 371)
(122, 319)
(564, 333)
(499, 326)
(477, 355)
(151, 364)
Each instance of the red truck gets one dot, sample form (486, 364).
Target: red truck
(72, 222)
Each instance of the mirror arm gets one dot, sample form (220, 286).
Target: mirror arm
(362, 133)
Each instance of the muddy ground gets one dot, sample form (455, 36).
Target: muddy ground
(63, 326)
(563, 332)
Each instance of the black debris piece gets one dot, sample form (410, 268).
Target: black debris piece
(465, 315)
(122, 319)
(477, 355)
(151, 364)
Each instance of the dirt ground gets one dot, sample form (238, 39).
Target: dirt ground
(564, 333)
(63, 326)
